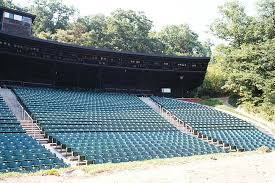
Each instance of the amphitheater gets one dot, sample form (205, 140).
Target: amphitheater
(64, 106)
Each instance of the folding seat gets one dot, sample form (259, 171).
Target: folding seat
(57, 165)
(43, 156)
(30, 157)
(37, 162)
(107, 160)
(26, 164)
(124, 159)
(45, 167)
(3, 167)
(9, 158)
(14, 166)
(141, 157)
(116, 160)
(32, 168)
(99, 160)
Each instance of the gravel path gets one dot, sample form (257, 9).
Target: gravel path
(259, 168)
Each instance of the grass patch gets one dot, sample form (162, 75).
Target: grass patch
(211, 102)
(11, 174)
(54, 172)
(228, 108)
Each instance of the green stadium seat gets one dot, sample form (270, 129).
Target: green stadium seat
(217, 125)
(107, 127)
(18, 151)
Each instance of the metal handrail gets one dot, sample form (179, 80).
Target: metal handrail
(26, 117)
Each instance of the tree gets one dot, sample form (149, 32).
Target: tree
(10, 4)
(129, 31)
(51, 15)
(232, 24)
(85, 31)
(180, 40)
(249, 58)
(122, 31)
(266, 9)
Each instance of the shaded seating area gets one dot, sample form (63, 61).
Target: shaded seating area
(20, 152)
(107, 127)
(217, 125)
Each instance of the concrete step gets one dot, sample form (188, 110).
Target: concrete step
(67, 154)
(36, 133)
(73, 158)
(79, 163)
(32, 130)
(41, 140)
(37, 136)
(31, 127)
(27, 124)
(26, 121)
(52, 144)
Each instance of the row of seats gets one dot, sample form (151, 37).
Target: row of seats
(107, 127)
(117, 147)
(217, 125)
(18, 151)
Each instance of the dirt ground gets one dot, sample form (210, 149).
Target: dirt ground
(259, 168)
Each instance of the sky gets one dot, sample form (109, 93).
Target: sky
(198, 14)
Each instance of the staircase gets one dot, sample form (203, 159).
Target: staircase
(33, 130)
(185, 128)
(27, 123)
(166, 115)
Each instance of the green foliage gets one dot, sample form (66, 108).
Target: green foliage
(251, 71)
(123, 30)
(214, 81)
(6, 3)
(211, 102)
(233, 100)
(131, 31)
(249, 58)
(232, 24)
(51, 15)
(10, 4)
(181, 40)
